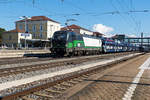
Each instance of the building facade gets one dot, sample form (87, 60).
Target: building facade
(15, 39)
(40, 27)
(78, 29)
(97, 34)
(36, 30)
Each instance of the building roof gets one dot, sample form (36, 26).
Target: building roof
(73, 26)
(38, 18)
(97, 33)
(15, 31)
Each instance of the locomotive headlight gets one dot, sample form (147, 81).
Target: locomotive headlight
(66, 44)
(78, 45)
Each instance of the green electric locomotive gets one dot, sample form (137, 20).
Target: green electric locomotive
(70, 43)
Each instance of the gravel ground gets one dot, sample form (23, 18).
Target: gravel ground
(37, 83)
(39, 72)
(40, 82)
(31, 74)
(47, 61)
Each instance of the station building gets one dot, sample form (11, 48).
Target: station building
(81, 30)
(39, 29)
(78, 29)
(98, 34)
(15, 38)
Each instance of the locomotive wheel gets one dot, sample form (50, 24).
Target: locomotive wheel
(70, 54)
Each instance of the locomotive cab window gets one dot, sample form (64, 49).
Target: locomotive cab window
(60, 36)
(72, 36)
(69, 37)
(79, 37)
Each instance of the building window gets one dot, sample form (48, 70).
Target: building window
(33, 35)
(34, 28)
(40, 35)
(27, 29)
(41, 27)
(51, 28)
(20, 27)
(10, 37)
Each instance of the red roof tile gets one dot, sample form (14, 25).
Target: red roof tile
(38, 18)
(73, 26)
(97, 33)
(15, 31)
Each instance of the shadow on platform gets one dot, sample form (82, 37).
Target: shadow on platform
(118, 82)
(39, 55)
(126, 76)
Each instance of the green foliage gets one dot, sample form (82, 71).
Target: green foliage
(1, 31)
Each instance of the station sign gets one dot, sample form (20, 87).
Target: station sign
(25, 34)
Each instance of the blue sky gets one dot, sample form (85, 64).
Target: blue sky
(92, 12)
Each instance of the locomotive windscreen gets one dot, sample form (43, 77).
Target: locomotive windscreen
(59, 39)
(60, 36)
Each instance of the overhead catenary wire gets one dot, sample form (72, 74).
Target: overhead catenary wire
(131, 10)
(122, 7)
(79, 14)
(124, 18)
(9, 1)
(131, 5)
(83, 13)
(73, 14)
(33, 2)
(91, 13)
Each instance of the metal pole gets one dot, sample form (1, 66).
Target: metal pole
(25, 24)
(25, 29)
(67, 25)
(148, 43)
(25, 41)
(142, 40)
(25, 32)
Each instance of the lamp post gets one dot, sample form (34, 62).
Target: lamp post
(26, 31)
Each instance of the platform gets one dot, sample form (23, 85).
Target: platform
(128, 81)
(20, 53)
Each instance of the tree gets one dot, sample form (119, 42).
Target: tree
(1, 31)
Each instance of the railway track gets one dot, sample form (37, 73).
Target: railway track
(53, 89)
(18, 70)
(21, 60)
(17, 60)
